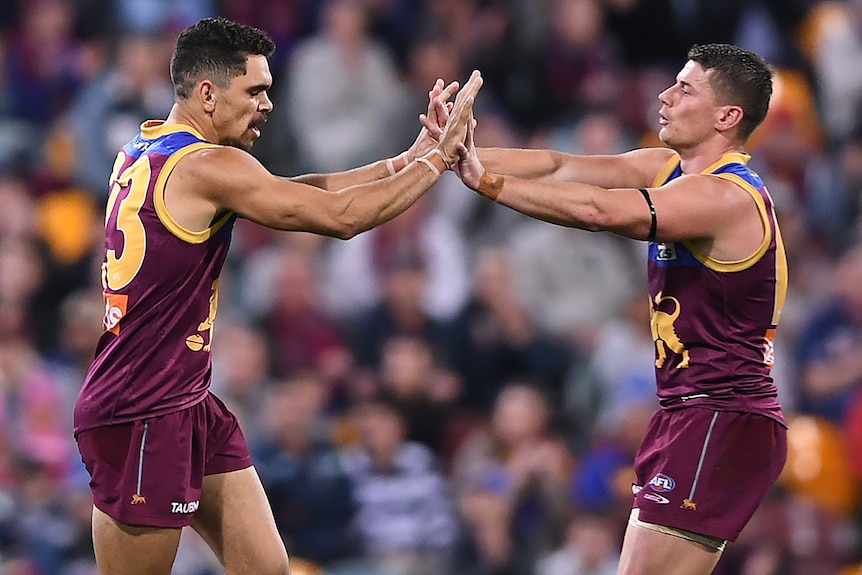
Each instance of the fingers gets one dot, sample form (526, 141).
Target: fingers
(461, 114)
(460, 118)
(438, 104)
(433, 127)
(471, 88)
(448, 91)
(441, 111)
(437, 89)
(433, 96)
(465, 98)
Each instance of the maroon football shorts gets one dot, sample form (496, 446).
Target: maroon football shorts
(150, 472)
(707, 471)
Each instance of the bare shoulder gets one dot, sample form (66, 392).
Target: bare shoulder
(649, 161)
(720, 192)
(659, 154)
(218, 165)
(217, 172)
(721, 216)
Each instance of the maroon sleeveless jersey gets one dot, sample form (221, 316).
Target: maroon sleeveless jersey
(160, 290)
(713, 322)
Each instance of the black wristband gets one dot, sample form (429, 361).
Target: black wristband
(653, 221)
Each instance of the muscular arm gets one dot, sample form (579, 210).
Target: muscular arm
(694, 207)
(635, 169)
(229, 179)
(210, 181)
(355, 177)
(722, 217)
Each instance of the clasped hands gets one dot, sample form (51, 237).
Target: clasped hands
(448, 127)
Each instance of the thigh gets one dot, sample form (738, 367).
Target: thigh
(648, 552)
(132, 550)
(235, 520)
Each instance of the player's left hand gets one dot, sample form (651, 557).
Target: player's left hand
(434, 121)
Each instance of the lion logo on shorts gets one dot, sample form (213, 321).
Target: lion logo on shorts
(689, 505)
(663, 332)
(137, 499)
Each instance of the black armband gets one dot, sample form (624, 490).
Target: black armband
(653, 221)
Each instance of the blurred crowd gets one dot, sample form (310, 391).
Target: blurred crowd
(462, 389)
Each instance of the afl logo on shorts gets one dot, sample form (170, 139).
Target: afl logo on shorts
(662, 483)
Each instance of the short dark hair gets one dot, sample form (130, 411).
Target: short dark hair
(217, 49)
(738, 77)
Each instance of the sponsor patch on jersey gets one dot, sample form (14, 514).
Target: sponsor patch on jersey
(666, 252)
(115, 308)
(662, 483)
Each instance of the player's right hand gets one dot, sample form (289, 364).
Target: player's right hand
(434, 121)
(455, 133)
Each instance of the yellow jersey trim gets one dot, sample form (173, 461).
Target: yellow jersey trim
(729, 158)
(666, 170)
(738, 265)
(153, 129)
(179, 231)
(781, 273)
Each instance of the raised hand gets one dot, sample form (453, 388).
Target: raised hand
(434, 121)
(460, 119)
(469, 168)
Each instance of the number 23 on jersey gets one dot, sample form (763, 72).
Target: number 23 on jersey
(127, 196)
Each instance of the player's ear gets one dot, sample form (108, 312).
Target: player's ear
(206, 95)
(728, 117)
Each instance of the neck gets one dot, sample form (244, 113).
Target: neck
(696, 159)
(182, 115)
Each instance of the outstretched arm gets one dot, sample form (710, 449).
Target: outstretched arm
(211, 181)
(283, 204)
(438, 99)
(636, 169)
(693, 207)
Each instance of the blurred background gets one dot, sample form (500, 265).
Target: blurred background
(462, 389)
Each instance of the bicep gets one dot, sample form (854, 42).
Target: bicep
(234, 180)
(688, 208)
(282, 204)
(699, 207)
(634, 169)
